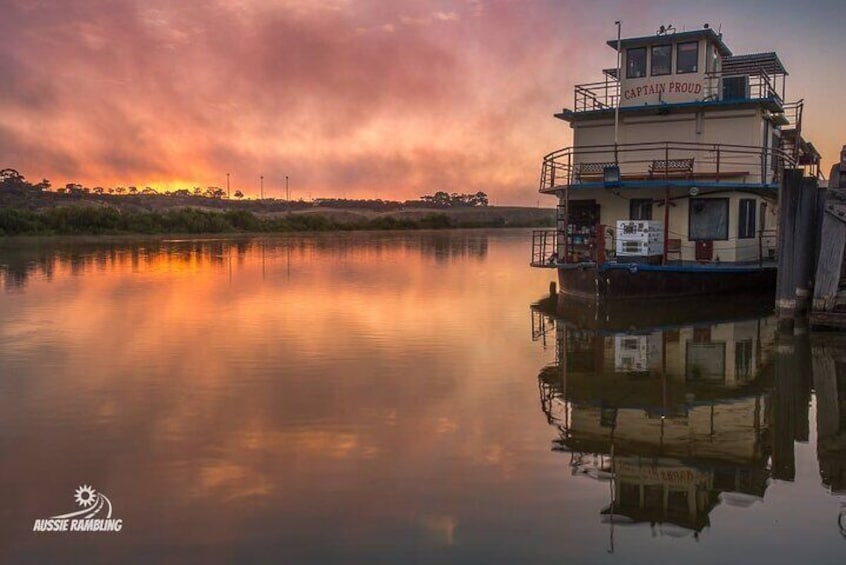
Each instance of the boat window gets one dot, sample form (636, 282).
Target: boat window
(705, 362)
(746, 219)
(662, 60)
(687, 60)
(714, 59)
(743, 351)
(640, 209)
(708, 219)
(636, 62)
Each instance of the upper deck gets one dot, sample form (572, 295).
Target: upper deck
(682, 110)
(692, 70)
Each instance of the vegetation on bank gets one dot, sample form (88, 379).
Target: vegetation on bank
(33, 209)
(81, 220)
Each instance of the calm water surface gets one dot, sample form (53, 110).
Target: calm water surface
(401, 398)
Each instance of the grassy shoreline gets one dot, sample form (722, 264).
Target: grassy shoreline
(99, 221)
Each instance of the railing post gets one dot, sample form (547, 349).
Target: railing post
(763, 165)
(666, 200)
(569, 167)
(600, 244)
(761, 246)
(552, 173)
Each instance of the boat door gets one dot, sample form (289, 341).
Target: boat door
(708, 222)
(582, 230)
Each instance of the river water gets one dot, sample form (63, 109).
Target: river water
(400, 397)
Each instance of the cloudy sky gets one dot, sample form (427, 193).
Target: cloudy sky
(356, 98)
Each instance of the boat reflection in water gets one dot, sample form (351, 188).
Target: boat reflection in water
(683, 406)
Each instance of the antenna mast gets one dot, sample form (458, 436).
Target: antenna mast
(619, 89)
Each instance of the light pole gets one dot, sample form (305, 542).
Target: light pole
(287, 195)
(262, 186)
(227, 186)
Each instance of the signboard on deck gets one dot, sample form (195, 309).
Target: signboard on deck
(670, 90)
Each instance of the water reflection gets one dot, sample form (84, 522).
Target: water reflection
(288, 399)
(685, 406)
(22, 259)
(363, 398)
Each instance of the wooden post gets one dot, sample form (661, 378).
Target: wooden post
(830, 263)
(829, 351)
(831, 243)
(804, 245)
(788, 202)
(789, 402)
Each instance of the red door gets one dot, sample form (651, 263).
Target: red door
(704, 250)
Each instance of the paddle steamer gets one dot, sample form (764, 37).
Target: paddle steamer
(671, 185)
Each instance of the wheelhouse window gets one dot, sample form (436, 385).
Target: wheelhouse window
(713, 59)
(687, 57)
(636, 62)
(640, 209)
(708, 219)
(662, 60)
(746, 219)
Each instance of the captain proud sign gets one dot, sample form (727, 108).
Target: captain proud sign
(94, 515)
(671, 87)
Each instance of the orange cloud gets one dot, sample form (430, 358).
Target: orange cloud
(358, 98)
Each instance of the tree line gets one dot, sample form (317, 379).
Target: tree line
(12, 180)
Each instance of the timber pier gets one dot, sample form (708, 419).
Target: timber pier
(811, 284)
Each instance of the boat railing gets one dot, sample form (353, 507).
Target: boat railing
(716, 86)
(544, 248)
(663, 161)
(793, 112)
(596, 96)
(745, 86)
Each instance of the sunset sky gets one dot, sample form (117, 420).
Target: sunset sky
(359, 98)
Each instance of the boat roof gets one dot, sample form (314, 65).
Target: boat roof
(753, 63)
(708, 33)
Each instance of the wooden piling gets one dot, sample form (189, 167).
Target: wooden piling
(830, 262)
(804, 243)
(789, 196)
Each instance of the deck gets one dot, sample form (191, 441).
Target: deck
(664, 164)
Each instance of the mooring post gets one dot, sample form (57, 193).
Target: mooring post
(789, 402)
(805, 246)
(789, 195)
(832, 242)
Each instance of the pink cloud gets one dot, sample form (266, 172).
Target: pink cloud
(348, 97)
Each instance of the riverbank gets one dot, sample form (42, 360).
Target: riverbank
(87, 218)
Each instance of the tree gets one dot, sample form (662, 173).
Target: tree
(214, 192)
(11, 176)
(98, 190)
(149, 190)
(239, 195)
(132, 190)
(441, 198)
(480, 199)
